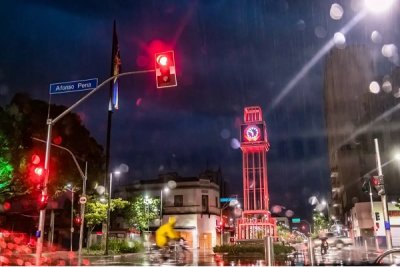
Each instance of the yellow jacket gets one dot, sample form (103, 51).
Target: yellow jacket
(166, 232)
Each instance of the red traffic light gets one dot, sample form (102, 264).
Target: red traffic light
(35, 159)
(165, 69)
(77, 220)
(374, 180)
(43, 200)
(162, 60)
(39, 171)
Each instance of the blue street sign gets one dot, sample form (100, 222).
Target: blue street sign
(226, 199)
(387, 225)
(73, 86)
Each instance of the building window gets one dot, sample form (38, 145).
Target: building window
(216, 202)
(204, 203)
(178, 200)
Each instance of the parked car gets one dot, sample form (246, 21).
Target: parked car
(333, 240)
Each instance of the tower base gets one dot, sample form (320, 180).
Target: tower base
(255, 227)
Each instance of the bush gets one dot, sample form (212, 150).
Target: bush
(117, 246)
(131, 247)
(280, 251)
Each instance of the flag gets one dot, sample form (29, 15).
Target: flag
(115, 69)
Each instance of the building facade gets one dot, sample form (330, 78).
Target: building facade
(193, 201)
(362, 224)
(354, 118)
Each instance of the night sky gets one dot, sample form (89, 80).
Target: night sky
(230, 54)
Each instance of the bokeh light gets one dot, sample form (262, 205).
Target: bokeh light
(376, 37)
(235, 144)
(374, 87)
(340, 40)
(336, 11)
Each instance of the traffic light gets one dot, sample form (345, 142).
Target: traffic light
(365, 184)
(77, 221)
(36, 170)
(378, 184)
(43, 201)
(165, 69)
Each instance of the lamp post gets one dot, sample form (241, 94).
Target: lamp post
(166, 190)
(309, 226)
(109, 209)
(72, 189)
(147, 209)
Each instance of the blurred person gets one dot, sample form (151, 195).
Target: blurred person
(164, 234)
(324, 246)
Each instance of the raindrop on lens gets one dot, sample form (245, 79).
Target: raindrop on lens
(389, 50)
(340, 40)
(289, 213)
(320, 32)
(225, 133)
(336, 11)
(376, 37)
(235, 144)
(374, 87)
(387, 86)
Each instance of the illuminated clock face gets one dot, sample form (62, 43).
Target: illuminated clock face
(252, 133)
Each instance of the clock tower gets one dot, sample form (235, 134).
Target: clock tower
(256, 221)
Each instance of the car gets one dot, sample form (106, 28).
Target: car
(334, 240)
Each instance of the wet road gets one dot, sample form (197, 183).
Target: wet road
(194, 258)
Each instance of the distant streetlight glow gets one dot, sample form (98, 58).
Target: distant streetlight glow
(378, 6)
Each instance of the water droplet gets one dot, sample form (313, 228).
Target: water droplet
(387, 86)
(389, 50)
(374, 87)
(225, 133)
(376, 37)
(320, 32)
(340, 40)
(336, 11)
(235, 144)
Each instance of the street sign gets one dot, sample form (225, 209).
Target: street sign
(226, 199)
(73, 86)
(295, 220)
(82, 200)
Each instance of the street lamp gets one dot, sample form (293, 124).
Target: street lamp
(378, 6)
(116, 172)
(71, 189)
(166, 190)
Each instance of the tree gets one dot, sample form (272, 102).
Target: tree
(25, 118)
(96, 211)
(321, 223)
(141, 211)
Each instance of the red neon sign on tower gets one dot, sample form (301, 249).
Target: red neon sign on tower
(256, 221)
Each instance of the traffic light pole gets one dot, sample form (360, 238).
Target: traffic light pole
(50, 123)
(383, 199)
(373, 216)
(42, 215)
